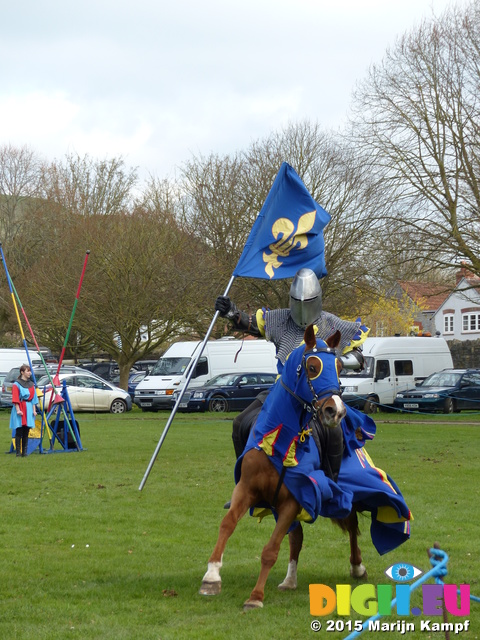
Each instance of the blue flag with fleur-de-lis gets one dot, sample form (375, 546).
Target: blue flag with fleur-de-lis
(287, 234)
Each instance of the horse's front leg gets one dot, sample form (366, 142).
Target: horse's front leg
(286, 515)
(295, 540)
(357, 568)
(211, 581)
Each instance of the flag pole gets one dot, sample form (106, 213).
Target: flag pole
(16, 312)
(54, 396)
(182, 392)
(60, 360)
(15, 295)
(265, 245)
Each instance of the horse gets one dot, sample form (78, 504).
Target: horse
(279, 470)
(349, 525)
(371, 489)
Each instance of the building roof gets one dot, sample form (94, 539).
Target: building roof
(473, 282)
(429, 294)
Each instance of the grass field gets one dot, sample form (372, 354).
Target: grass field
(86, 555)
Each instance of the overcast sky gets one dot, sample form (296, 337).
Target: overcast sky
(158, 82)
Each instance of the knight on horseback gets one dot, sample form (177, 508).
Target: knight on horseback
(279, 472)
(285, 328)
(343, 455)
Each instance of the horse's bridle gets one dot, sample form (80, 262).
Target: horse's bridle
(311, 407)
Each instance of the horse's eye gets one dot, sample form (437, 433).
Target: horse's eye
(314, 367)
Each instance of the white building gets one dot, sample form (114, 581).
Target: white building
(452, 313)
(458, 318)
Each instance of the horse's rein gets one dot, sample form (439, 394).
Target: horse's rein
(311, 407)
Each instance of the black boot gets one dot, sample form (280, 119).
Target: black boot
(18, 445)
(25, 431)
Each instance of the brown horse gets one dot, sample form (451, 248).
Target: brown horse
(260, 482)
(295, 539)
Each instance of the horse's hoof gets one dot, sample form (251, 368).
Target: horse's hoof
(252, 604)
(358, 571)
(210, 588)
(288, 585)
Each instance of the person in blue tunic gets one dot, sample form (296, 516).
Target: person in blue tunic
(22, 418)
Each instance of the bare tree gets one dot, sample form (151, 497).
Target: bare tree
(130, 300)
(21, 172)
(328, 165)
(416, 122)
(225, 194)
(87, 186)
(215, 213)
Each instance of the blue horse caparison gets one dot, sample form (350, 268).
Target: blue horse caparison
(281, 439)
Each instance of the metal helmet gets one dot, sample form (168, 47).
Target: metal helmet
(305, 298)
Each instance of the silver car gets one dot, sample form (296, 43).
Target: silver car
(88, 392)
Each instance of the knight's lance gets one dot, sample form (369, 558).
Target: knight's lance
(60, 360)
(16, 313)
(57, 398)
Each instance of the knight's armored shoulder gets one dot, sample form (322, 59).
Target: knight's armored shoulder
(359, 338)
(276, 317)
(353, 334)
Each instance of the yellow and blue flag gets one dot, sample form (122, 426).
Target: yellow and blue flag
(287, 234)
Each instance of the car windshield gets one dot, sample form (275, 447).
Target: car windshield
(44, 381)
(170, 366)
(442, 379)
(222, 380)
(12, 375)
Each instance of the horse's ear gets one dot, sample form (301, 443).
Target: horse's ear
(309, 337)
(334, 340)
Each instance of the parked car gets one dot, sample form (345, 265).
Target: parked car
(39, 372)
(145, 365)
(89, 392)
(157, 390)
(450, 390)
(7, 403)
(105, 370)
(227, 392)
(133, 380)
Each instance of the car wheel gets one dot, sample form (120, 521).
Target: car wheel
(218, 404)
(448, 406)
(370, 406)
(118, 406)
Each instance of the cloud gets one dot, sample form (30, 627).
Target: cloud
(156, 81)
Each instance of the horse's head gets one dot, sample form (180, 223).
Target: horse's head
(317, 382)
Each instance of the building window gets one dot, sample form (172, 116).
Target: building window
(470, 322)
(448, 323)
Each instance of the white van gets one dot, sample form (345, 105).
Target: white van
(227, 355)
(392, 365)
(10, 358)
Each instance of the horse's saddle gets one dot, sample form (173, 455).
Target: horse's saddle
(329, 442)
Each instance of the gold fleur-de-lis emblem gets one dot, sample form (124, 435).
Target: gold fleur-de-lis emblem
(287, 239)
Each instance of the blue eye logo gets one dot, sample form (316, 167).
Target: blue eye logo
(402, 572)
